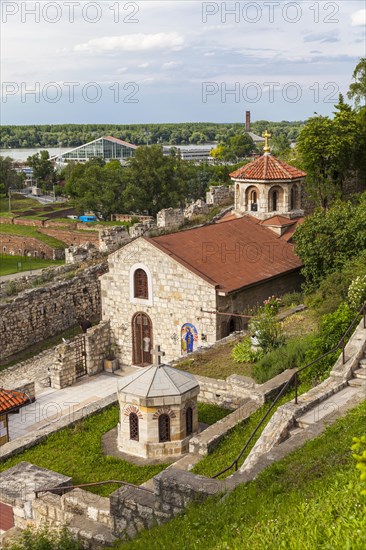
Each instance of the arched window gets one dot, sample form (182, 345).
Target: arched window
(140, 284)
(134, 426)
(293, 198)
(189, 421)
(274, 200)
(164, 428)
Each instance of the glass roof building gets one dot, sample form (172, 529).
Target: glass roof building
(106, 148)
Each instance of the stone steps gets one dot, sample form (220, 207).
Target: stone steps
(327, 407)
(360, 373)
(357, 382)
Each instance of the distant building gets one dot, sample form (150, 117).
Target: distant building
(106, 148)
(257, 139)
(193, 154)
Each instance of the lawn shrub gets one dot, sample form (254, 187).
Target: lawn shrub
(44, 539)
(243, 352)
(331, 329)
(290, 356)
(292, 299)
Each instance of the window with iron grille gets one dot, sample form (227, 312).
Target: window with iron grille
(164, 428)
(189, 420)
(134, 426)
(140, 284)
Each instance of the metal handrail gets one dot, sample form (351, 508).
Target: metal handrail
(95, 484)
(294, 378)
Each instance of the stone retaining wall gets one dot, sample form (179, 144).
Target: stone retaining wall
(40, 313)
(21, 245)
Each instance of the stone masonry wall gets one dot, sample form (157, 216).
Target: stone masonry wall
(20, 245)
(176, 296)
(40, 313)
(71, 237)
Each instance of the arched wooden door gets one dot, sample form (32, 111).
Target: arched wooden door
(142, 340)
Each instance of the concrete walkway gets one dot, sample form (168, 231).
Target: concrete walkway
(19, 275)
(53, 405)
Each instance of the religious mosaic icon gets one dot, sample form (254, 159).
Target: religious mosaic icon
(189, 336)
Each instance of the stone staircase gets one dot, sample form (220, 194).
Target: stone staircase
(293, 423)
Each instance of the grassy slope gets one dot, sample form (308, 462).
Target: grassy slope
(310, 500)
(29, 231)
(82, 457)
(10, 264)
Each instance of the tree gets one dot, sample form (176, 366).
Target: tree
(154, 181)
(9, 177)
(43, 170)
(280, 145)
(236, 147)
(97, 188)
(327, 240)
(357, 90)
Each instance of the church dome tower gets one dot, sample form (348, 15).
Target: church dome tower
(268, 186)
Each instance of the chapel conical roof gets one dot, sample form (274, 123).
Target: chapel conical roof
(158, 381)
(267, 168)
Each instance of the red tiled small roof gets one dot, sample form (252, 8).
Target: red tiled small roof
(232, 254)
(278, 221)
(121, 142)
(11, 400)
(288, 234)
(268, 168)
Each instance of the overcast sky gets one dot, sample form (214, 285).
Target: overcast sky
(176, 61)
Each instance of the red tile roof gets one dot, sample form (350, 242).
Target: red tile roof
(232, 254)
(267, 168)
(121, 142)
(278, 221)
(288, 234)
(11, 400)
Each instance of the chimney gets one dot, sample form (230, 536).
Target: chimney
(247, 121)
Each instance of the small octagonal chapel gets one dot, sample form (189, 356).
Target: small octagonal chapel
(268, 186)
(158, 412)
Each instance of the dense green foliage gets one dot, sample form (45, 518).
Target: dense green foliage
(331, 152)
(357, 90)
(73, 135)
(44, 539)
(359, 445)
(150, 181)
(9, 177)
(291, 355)
(43, 170)
(328, 239)
(309, 500)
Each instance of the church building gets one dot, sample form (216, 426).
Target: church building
(189, 289)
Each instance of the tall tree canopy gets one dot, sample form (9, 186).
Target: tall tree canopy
(9, 177)
(357, 90)
(327, 240)
(43, 170)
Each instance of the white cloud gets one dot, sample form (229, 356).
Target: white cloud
(209, 54)
(132, 42)
(358, 18)
(170, 65)
(143, 66)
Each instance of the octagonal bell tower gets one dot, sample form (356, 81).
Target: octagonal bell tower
(268, 186)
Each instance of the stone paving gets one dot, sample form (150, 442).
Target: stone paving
(53, 405)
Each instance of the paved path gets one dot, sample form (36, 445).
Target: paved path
(19, 275)
(52, 405)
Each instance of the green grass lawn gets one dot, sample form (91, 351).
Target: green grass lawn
(29, 231)
(310, 500)
(76, 451)
(15, 264)
(18, 202)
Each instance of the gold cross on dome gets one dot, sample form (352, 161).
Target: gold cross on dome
(266, 135)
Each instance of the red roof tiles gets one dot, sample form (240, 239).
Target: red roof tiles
(11, 400)
(267, 168)
(232, 254)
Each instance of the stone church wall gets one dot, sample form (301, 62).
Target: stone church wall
(253, 296)
(40, 313)
(177, 298)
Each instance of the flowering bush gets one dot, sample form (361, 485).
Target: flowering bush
(272, 305)
(357, 292)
